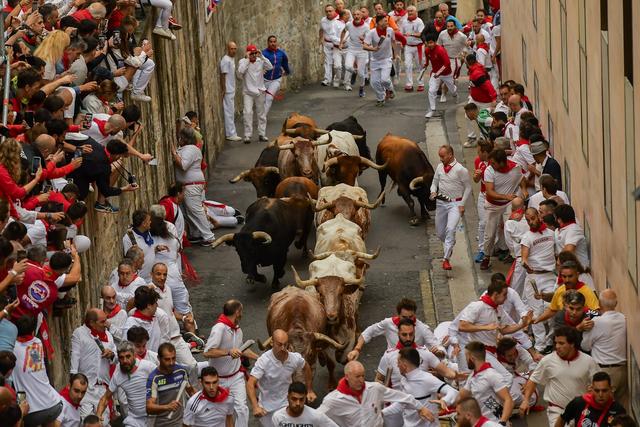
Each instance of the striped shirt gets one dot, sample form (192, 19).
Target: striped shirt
(201, 412)
(164, 389)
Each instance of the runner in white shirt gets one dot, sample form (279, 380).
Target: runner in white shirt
(72, 394)
(251, 70)
(547, 182)
(116, 316)
(228, 83)
(105, 127)
(379, 41)
(127, 283)
(272, 373)
(514, 228)
(139, 337)
(477, 30)
(570, 236)
(92, 354)
(148, 316)
(455, 43)
(539, 261)
(353, 34)
(519, 363)
(503, 178)
(406, 309)
(131, 377)
(486, 385)
(339, 55)
(210, 407)
(329, 37)
(222, 350)
(412, 28)
(296, 413)
(513, 304)
(469, 410)
(451, 186)
(359, 403)
(138, 235)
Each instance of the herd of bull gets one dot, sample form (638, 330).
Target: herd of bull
(308, 170)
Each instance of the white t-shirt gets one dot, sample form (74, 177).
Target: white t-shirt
(330, 30)
(388, 328)
(484, 386)
(537, 198)
(86, 356)
(30, 376)
(97, 127)
(390, 360)
(504, 183)
(513, 232)
(37, 233)
(125, 293)
(228, 68)
(253, 75)
(355, 36)
(223, 337)
(156, 333)
(412, 27)
(200, 412)
(382, 57)
(309, 418)
(134, 386)
(542, 255)
(425, 387)
(274, 378)
(70, 416)
(573, 234)
(191, 170)
(481, 313)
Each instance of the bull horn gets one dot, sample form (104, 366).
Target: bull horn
(291, 132)
(326, 205)
(364, 255)
(302, 283)
(415, 183)
(273, 169)
(328, 163)
(366, 205)
(359, 281)
(222, 239)
(357, 137)
(372, 164)
(240, 176)
(328, 141)
(264, 345)
(262, 235)
(311, 199)
(286, 147)
(321, 131)
(321, 255)
(333, 343)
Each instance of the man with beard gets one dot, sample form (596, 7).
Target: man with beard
(130, 377)
(434, 27)
(72, 394)
(210, 407)
(296, 413)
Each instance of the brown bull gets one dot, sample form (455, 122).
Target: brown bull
(356, 211)
(302, 316)
(297, 186)
(298, 159)
(409, 168)
(345, 169)
(264, 179)
(302, 126)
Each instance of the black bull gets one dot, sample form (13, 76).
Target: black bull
(351, 125)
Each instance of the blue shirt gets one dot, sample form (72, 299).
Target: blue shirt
(279, 61)
(455, 21)
(8, 335)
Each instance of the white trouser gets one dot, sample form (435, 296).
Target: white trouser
(90, 401)
(482, 220)
(518, 277)
(273, 86)
(434, 85)
(223, 214)
(142, 77)
(238, 389)
(267, 420)
(328, 61)
(393, 417)
(338, 60)
(545, 283)
(184, 357)
(381, 80)
(455, 68)
(180, 296)
(553, 413)
(493, 221)
(447, 218)
(410, 56)
(229, 107)
(495, 78)
(134, 421)
(516, 391)
(195, 214)
(360, 59)
(249, 101)
(165, 7)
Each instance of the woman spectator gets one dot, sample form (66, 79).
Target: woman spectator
(10, 171)
(51, 50)
(103, 101)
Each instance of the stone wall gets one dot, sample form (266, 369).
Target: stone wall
(186, 78)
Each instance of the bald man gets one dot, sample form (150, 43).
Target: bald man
(116, 316)
(359, 403)
(517, 107)
(105, 127)
(607, 342)
(273, 373)
(45, 146)
(228, 87)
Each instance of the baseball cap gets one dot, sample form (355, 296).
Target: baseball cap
(252, 48)
(538, 147)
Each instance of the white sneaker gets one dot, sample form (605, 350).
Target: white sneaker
(429, 114)
(163, 32)
(336, 83)
(443, 98)
(141, 97)
(235, 138)
(348, 88)
(325, 82)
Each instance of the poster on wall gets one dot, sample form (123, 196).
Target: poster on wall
(635, 385)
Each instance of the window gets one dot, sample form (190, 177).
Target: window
(604, 15)
(584, 97)
(566, 173)
(564, 54)
(548, 30)
(630, 155)
(628, 32)
(606, 125)
(550, 135)
(524, 61)
(536, 94)
(534, 13)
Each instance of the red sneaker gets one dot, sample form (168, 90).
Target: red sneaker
(446, 265)
(421, 88)
(537, 408)
(408, 88)
(173, 24)
(485, 264)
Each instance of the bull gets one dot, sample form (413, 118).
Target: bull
(337, 235)
(298, 125)
(265, 179)
(271, 225)
(410, 170)
(297, 186)
(351, 125)
(298, 159)
(302, 316)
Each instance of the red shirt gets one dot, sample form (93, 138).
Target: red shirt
(482, 90)
(115, 20)
(83, 15)
(36, 293)
(479, 164)
(439, 58)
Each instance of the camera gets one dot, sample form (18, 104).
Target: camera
(132, 179)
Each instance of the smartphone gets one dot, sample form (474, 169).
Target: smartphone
(46, 188)
(116, 38)
(21, 396)
(86, 122)
(36, 163)
(132, 180)
(20, 255)
(102, 40)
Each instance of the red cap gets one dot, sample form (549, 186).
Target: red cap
(252, 48)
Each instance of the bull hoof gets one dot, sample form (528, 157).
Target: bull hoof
(415, 221)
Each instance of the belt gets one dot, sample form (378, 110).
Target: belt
(541, 272)
(414, 45)
(614, 365)
(194, 183)
(228, 376)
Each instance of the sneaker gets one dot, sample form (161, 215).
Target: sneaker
(141, 97)
(446, 265)
(366, 81)
(234, 138)
(348, 88)
(247, 140)
(336, 83)
(106, 208)
(195, 240)
(408, 88)
(263, 138)
(240, 219)
(206, 243)
(353, 78)
(194, 348)
(455, 94)
(429, 114)
(163, 32)
(508, 260)
(325, 83)
(173, 24)
(190, 337)
(485, 264)
(380, 104)
(443, 98)
(420, 88)
(479, 257)
(471, 142)
(361, 93)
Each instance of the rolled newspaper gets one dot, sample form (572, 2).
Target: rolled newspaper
(183, 386)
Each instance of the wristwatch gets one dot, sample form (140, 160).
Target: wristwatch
(502, 423)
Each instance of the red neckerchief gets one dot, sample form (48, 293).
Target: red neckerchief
(521, 142)
(226, 321)
(399, 345)
(568, 321)
(396, 320)
(455, 30)
(401, 13)
(344, 388)
(481, 421)
(65, 394)
(502, 359)
(220, 396)
(141, 357)
(483, 367)
(525, 99)
(448, 167)
(483, 46)
(509, 166)
(135, 276)
(115, 311)
(358, 25)
(140, 315)
(591, 403)
(487, 300)
(571, 359)
(381, 32)
(516, 212)
(438, 27)
(412, 19)
(25, 338)
(539, 229)
(101, 125)
(97, 334)
(567, 224)
(29, 40)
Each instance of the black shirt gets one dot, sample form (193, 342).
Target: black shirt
(584, 415)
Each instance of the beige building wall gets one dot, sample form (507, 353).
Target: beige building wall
(571, 58)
